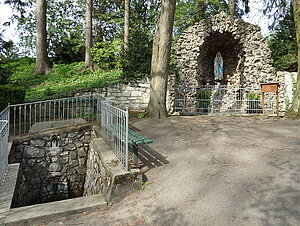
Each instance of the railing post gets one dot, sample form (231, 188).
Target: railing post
(8, 117)
(126, 139)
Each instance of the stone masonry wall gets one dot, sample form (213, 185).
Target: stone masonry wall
(106, 175)
(288, 81)
(51, 168)
(134, 95)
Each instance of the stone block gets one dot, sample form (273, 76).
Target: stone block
(73, 163)
(78, 143)
(37, 143)
(54, 167)
(81, 161)
(72, 155)
(33, 152)
(70, 147)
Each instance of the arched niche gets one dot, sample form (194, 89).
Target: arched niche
(232, 54)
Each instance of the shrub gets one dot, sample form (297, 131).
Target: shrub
(253, 103)
(107, 55)
(204, 99)
(11, 94)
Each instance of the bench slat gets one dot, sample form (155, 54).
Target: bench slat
(134, 138)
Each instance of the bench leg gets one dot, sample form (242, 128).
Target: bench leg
(135, 154)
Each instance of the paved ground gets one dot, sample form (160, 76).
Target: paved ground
(213, 171)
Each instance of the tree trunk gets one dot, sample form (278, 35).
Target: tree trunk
(160, 60)
(126, 25)
(42, 61)
(295, 108)
(88, 36)
(232, 7)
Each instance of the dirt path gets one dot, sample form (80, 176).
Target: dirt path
(212, 171)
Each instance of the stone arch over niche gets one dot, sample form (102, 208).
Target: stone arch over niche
(247, 58)
(232, 54)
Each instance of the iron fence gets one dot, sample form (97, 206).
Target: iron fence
(221, 99)
(23, 116)
(114, 125)
(20, 119)
(4, 131)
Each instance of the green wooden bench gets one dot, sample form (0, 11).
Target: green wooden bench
(134, 140)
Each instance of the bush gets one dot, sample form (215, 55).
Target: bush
(11, 94)
(253, 103)
(107, 55)
(204, 99)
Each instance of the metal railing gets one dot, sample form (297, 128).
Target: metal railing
(23, 116)
(20, 119)
(114, 125)
(221, 99)
(4, 131)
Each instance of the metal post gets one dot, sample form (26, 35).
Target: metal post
(126, 139)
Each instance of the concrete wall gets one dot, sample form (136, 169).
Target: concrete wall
(49, 173)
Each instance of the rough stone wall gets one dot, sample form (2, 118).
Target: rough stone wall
(248, 48)
(51, 173)
(288, 81)
(106, 175)
(97, 176)
(247, 58)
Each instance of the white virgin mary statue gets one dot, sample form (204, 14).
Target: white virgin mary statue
(218, 67)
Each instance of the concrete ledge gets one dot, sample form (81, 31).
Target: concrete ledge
(7, 190)
(29, 215)
(121, 182)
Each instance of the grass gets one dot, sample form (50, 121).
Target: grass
(64, 80)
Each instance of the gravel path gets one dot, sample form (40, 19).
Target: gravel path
(212, 171)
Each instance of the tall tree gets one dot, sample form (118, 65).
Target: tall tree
(88, 35)
(295, 108)
(42, 60)
(126, 25)
(160, 60)
(232, 7)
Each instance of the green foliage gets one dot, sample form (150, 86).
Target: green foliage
(11, 94)
(204, 99)
(65, 20)
(145, 184)
(252, 103)
(22, 72)
(107, 55)
(190, 12)
(283, 44)
(137, 62)
(66, 79)
(141, 115)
